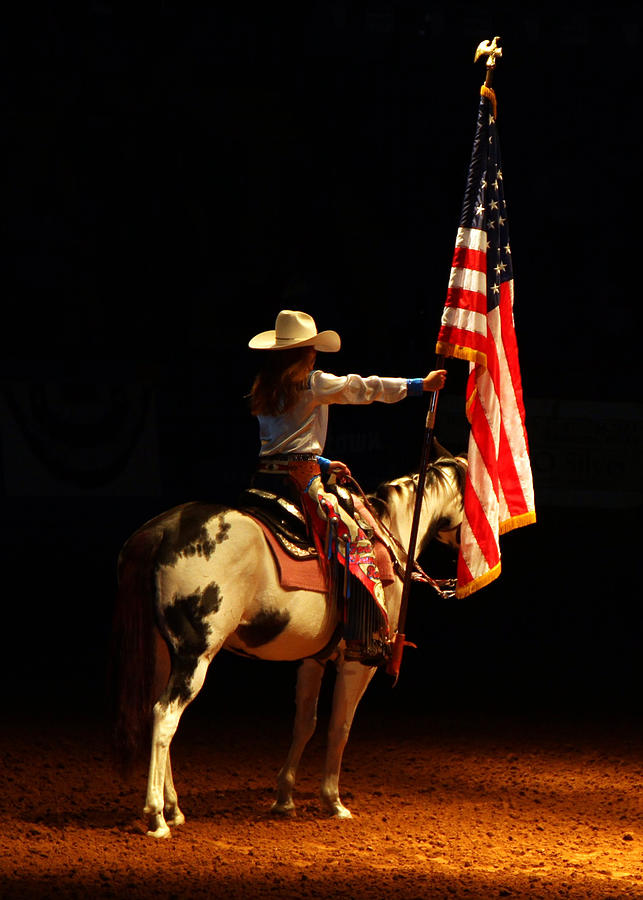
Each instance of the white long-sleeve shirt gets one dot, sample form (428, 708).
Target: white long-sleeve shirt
(303, 428)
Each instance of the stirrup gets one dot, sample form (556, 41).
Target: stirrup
(377, 654)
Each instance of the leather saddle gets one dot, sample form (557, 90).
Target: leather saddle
(284, 518)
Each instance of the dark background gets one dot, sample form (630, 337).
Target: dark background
(178, 176)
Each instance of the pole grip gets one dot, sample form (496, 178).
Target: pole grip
(394, 663)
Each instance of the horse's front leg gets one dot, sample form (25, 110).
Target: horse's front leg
(352, 680)
(309, 679)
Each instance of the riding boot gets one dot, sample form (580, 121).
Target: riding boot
(329, 508)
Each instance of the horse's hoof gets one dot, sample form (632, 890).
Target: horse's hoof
(157, 826)
(176, 819)
(284, 810)
(160, 833)
(339, 811)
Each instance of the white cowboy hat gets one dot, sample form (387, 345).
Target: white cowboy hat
(295, 329)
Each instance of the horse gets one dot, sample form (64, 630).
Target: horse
(200, 578)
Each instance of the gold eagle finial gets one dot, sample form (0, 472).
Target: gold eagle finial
(491, 50)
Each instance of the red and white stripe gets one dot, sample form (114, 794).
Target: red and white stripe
(499, 490)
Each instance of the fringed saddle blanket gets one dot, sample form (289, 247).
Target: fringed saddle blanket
(305, 571)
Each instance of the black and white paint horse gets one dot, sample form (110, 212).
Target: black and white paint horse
(204, 579)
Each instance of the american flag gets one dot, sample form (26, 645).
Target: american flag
(478, 325)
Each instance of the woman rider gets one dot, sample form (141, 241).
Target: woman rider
(290, 398)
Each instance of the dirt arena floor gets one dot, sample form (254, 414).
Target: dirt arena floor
(443, 807)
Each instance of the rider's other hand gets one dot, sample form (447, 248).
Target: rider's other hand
(339, 469)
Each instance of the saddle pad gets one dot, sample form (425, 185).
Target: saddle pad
(301, 574)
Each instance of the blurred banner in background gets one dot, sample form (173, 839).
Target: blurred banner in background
(78, 429)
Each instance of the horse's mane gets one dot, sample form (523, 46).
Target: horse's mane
(435, 478)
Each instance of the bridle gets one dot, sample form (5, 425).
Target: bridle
(445, 587)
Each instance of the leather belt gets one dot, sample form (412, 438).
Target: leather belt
(301, 467)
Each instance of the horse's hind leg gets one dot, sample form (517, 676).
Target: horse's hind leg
(309, 679)
(173, 815)
(185, 683)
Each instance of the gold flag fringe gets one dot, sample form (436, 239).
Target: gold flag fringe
(443, 348)
(478, 583)
(490, 94)
(527, 518)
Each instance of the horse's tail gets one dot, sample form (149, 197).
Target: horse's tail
(134, 679)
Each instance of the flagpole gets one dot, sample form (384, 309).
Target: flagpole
(491, 50)
(399, 641)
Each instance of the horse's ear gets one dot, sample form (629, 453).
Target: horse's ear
(437, 450)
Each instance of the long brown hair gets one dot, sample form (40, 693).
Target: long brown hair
(284, 373)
